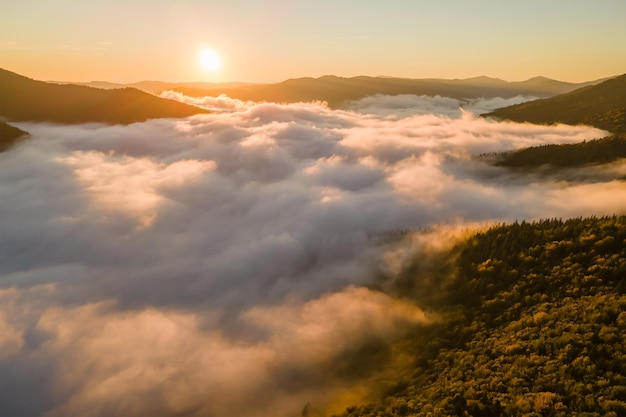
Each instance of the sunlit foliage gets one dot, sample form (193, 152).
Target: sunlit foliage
(535, 317)
(602, 106)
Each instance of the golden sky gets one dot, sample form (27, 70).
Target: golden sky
(269, 41)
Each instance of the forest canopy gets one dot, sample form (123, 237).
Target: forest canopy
(598, 151)
(602, 106)
(535, 317)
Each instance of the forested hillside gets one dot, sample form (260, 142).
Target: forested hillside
(533, 324)
(602, 106)
(24, 99)
(598, 151)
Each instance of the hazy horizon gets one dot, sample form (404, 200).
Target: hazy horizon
(266, 42)
(320, 76)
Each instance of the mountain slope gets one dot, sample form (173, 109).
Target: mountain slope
(534, 324)
(9, 135)
(602, 105)
(24, 99)
(598, 151)
(338, 90)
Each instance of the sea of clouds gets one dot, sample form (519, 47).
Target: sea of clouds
(222, 264)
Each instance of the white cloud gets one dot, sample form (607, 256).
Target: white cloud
(154, 361)
(131, 185)
(189, 261)
(405, 105)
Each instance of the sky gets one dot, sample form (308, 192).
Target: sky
(273, 40)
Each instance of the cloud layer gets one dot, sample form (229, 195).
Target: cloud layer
(218, 265)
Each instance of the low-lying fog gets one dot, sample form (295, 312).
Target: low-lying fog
(217, 265)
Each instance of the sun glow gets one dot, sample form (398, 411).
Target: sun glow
(209, 60)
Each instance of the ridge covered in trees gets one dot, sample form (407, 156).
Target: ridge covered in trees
(597, 151)
(534, 319)
(602, 105)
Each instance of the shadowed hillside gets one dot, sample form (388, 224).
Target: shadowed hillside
(599, 151)
(534, 324)
(602, 106)
(338, 90)
(9, 135)
(24, 99)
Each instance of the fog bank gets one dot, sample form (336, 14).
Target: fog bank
(222, 264)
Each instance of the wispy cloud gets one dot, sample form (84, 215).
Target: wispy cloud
(15, 46)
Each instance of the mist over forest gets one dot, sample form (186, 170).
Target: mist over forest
(266, 259)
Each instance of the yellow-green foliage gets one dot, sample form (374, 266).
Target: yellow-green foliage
(536, 324)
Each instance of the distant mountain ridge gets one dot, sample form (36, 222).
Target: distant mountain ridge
(154, 87)
(336, 91)
(602, 105)
(25, 99)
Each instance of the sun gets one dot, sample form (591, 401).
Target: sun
(209, 60)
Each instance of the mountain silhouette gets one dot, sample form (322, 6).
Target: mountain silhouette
(602, 105)
(338, 90)
(24, 99)
(155, 87)
(571, 155)
(9, 135)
